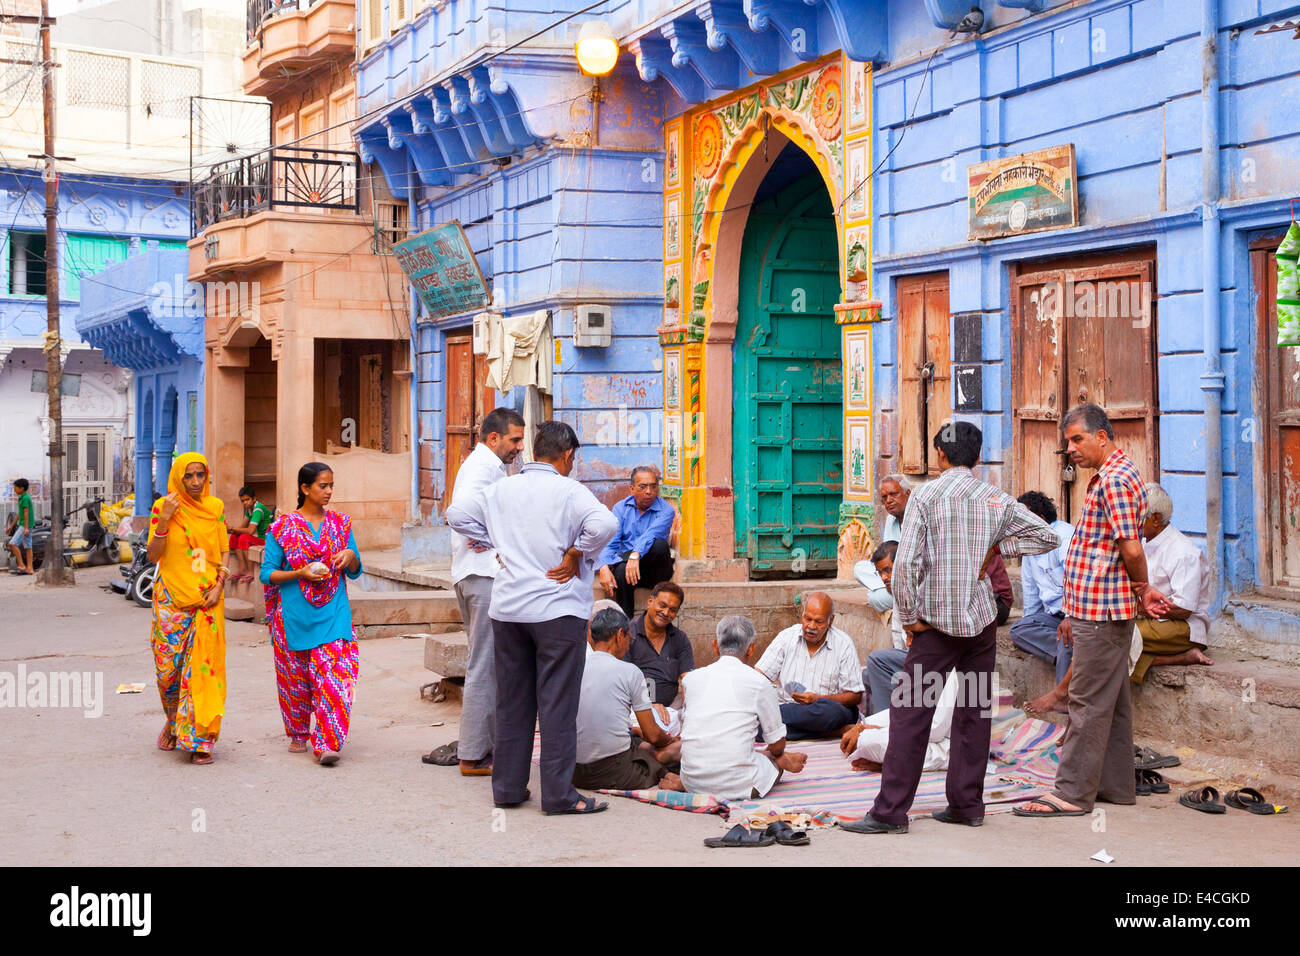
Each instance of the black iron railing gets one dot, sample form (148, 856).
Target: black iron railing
(259, 10)
(289, 177)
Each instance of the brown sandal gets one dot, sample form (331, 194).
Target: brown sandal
(297, 746)
(200, 758)
(166, 741)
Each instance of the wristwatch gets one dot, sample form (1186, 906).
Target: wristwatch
(633, 556)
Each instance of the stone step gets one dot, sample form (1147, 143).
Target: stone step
(408, 608)
(237, 610)
(447, 654)
(1239, 718)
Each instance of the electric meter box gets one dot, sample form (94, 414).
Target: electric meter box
(593, 326)
(482, 325)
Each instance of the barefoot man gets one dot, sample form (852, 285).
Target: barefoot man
(1181, 571)
(725, 706)
(1105, 583)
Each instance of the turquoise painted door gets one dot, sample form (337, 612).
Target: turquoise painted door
(787, 411)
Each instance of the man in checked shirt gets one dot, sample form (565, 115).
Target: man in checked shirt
(1105, 579)
(953, 527)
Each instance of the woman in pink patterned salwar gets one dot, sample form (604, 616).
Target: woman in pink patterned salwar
(306, 556)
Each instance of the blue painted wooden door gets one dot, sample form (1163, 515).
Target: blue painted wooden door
(787, 425)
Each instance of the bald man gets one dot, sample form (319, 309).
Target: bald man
(816, 671)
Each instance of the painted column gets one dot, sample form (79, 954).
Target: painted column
(857, 511)
(144, 486)
(855, 318)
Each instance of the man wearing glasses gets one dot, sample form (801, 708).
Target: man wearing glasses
(639, 555)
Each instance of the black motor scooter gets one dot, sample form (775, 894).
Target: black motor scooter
(137, 577)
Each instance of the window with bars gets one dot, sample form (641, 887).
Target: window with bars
(26, 254)
(391, 225)
(166, 88)
(98, 80)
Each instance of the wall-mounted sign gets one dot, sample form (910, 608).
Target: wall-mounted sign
(1026, 193)
(441, 265)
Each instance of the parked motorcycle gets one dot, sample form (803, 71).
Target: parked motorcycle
(97, 544)
(138, 577)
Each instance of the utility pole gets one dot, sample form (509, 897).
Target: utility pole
(54, 573)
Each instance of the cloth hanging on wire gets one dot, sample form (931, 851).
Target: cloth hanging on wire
(1288, 288)
(519, 351)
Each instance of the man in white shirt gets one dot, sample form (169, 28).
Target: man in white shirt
(501, 436)
(1178, 569)
(865, 743)
(548, 530)
(894, 492)
(608, 759)
(1042, 582)
(816, 670)
(726, 706)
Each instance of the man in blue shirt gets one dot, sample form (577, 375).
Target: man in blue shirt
(1042, 580)
(639, 555)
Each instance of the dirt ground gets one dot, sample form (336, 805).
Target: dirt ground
(85, 790)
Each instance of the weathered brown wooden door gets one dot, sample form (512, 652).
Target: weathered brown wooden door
(1280, 419)
(1082, 331)
(468, 400)
(924, 369)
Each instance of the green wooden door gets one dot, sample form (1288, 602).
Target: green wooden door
(787, 412)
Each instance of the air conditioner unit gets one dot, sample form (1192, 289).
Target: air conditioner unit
(482, 327)
(593, 326)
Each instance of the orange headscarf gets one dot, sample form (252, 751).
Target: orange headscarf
(197, 542)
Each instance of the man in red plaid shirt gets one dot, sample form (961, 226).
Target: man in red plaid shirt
(1105, 579)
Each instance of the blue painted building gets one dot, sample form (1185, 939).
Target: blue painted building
(562, 204)
(1170, 126)
(101, 219)
(1186, 138)
(145, 316)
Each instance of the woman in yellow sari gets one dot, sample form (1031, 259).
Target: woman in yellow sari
(188, 540)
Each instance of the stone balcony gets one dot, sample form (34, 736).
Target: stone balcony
(286, 36)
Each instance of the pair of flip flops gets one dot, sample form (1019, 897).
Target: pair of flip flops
(1149, 782)
(1206, 799)
(778, 832)
(1145, 758)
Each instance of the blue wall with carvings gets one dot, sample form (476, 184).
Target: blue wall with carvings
(146, 316)
(524, 224)
(1122, 81)
(126, 210)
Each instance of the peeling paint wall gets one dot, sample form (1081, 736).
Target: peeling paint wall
(1122, 82)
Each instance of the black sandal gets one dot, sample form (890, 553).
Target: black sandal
(741, 836)
(584, 805)
(1205, 799)
(1149, 782)
(787, 835)
(1250, 799)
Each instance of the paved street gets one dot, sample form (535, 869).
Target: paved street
(84, 791)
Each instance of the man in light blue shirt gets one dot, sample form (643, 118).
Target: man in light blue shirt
(1042, 581)
(894, 492)
(548, 530)
(639, 555)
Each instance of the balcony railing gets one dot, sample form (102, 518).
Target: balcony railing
(293, 178)
(259, 10)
